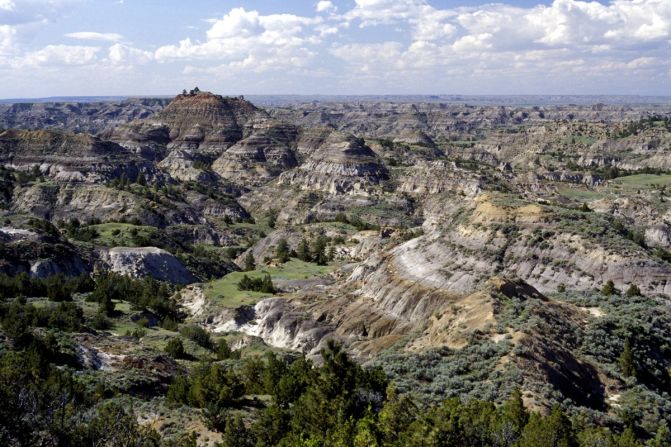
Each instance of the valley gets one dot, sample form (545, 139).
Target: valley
(456, 258)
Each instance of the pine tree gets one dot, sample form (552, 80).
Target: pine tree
(319, 251)
(272, 218)
(626, 360)
(303, 251)
(282, 251)
(608, 288)
(123, 181)
(236, 434)
(514, 412)
(223, 350)
(175, 348)
(633, 290)
(250, 264)
(267, 285)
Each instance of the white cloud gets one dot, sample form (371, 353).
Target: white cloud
(7, 35)
(7, 5)
(58, 55)
(237, 23)
(89, 35)
(120, 54)
(618, 43)
(325, 6)
(248, 40)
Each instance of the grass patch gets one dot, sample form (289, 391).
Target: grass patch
(116, 234)
(582, 195)
(225, 290)
(642, 181)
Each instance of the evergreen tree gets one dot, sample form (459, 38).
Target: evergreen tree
(633, 290)
(175, 348)
(223, 350)
(608, 288)
(236, 434)
(282, 251)
(319, 251)
(514, 418)
(250, 263)
(267, 285)
(662, 437)
(554, 430)
(303, 251)
(626, 360)
(272, 218)
(106, 305)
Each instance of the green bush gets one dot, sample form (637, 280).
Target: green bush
(175, 348)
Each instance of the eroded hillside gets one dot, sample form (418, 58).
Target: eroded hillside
(466, 250)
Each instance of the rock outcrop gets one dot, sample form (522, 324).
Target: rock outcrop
(260, 157)
(343, 164)
(200, 122)
(148, 261)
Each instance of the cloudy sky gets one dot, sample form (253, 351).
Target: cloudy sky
(136, 47)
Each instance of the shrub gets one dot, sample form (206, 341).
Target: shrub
(198, 335)
(263, 285)
(175, 348)
(633, 290)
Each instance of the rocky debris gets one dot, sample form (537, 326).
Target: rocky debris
(343, 164)
(494, 238)
(93, 201)
(148, 261)
(658, 236)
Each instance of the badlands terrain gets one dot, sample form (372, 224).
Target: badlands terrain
(461, 251)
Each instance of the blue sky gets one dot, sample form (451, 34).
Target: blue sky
(147, 47)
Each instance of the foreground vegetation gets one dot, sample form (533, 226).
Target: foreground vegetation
(249, 398)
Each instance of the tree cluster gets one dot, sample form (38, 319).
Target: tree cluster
(263, 285)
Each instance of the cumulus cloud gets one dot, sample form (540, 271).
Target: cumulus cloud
(500, 38)
(248, 40)
(54, 55)
(120, 54)
(89, 35)
(404, 44)
(325, 6)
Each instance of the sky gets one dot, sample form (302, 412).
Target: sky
(159, 47)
